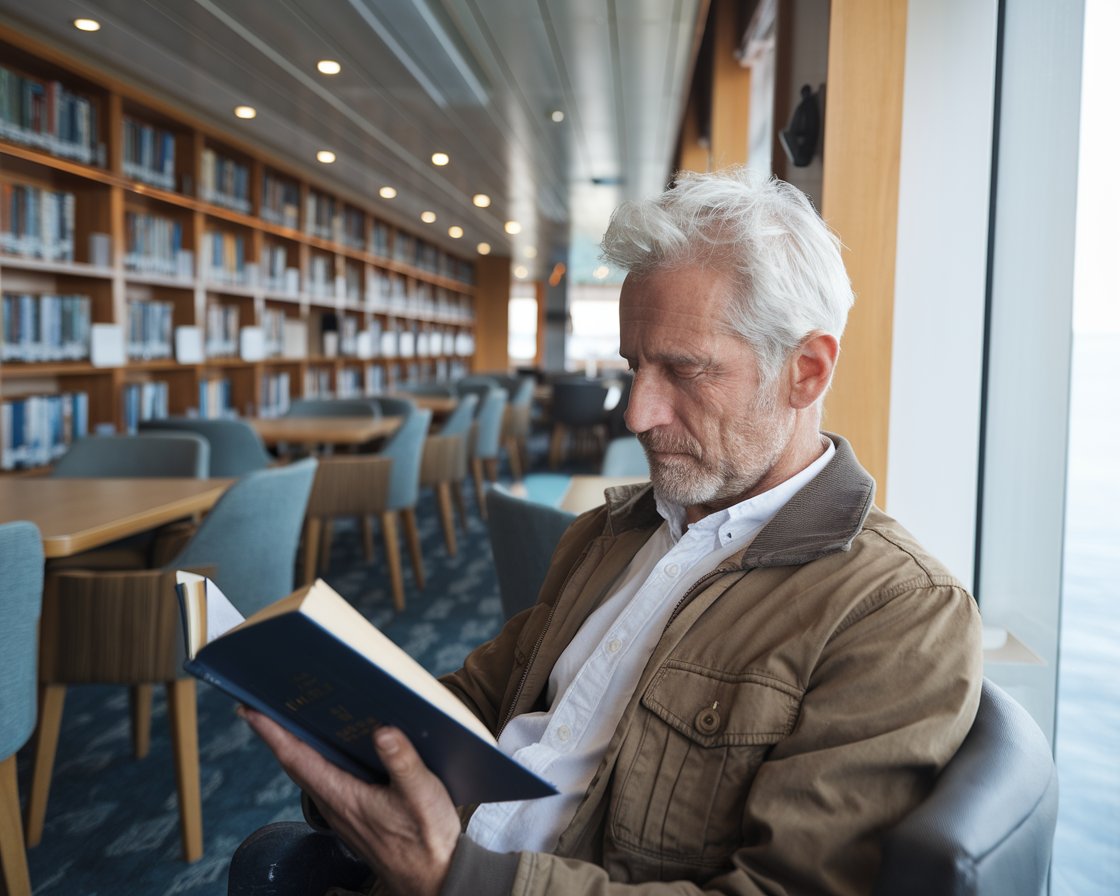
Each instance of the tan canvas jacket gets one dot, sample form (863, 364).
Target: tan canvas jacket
(802, 698)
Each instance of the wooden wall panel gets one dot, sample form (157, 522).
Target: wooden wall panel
(491, 312)
(863, 123)
(731, 88)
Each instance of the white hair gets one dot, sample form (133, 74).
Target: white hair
(781, 260)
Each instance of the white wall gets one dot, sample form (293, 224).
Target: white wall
(940, 272)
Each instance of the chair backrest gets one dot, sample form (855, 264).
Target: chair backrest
(332, 407)
(477, 385)
(988, 825)
(235, 447)
(406, 448)
(488, 436)
(439, 390)
(251, 535)
(21, 599)
(616, 416)
(523, 536)
(184, 454)
(394, 406)
(579, 402)
(625, 456)
(460, 419)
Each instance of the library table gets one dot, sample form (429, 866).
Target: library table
(440, 405)
(324, 430)
(75, 515)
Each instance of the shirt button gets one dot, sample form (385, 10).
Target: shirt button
(671, 570)
(563, 734)
(614, 645)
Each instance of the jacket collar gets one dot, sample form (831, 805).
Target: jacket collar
(822, 518)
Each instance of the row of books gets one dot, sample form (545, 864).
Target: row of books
(320, 216)
(149, 154)
(280, 200)
(150, 330)
(36, 429)
(277, 275)
(215, 398)
(222, 331)
(154, 245)
(276, 393)
(43, 327)
(36, 222)
(144, 401)
(224, 255)
(45, 115)
(223, 181)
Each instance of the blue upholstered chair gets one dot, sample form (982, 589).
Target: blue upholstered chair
(235, 447)
(517, 422)
(578, 407)
(386, 484)
(444, 465)
(988, 826)
(523, 536)
(124, 627)
(487, 443)
(394, 405)
(171, 454)
(21, 596)
(625, 456)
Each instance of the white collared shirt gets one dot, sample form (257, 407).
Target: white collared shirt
(597, 673)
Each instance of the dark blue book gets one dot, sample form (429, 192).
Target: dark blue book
(316, 666)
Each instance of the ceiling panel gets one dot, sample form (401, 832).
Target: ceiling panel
(478, 79)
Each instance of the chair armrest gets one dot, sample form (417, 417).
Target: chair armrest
(289, 858)
(349, 485)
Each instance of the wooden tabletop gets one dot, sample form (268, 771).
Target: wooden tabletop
(585, 492)
(439, 405)
(76, 515)
(324, 430)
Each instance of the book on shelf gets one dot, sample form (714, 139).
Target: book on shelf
(36, 223)
(46, 115)
(37, 429)
(144, 401)
(45, 327)
(215, 398)
(224, 182)
(316, 666)
(149, 330)
(148, 154)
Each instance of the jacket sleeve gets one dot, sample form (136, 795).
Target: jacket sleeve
(890, 700)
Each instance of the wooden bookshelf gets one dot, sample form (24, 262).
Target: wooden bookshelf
(160, 210)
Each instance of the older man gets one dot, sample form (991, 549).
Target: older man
(737, 676)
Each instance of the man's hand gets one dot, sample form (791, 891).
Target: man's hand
(406, 830)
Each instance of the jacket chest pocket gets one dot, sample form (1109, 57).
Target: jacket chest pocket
(685, 769)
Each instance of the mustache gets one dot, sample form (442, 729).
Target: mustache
(655, 442)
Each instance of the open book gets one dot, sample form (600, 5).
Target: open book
(315, 665)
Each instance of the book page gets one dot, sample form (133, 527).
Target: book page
(221, 615)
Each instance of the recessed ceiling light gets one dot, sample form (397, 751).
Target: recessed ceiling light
(600, 273)
(440, 158)
(512, 227)
(481, 200)
(245, 112)
(325, 156)
(530, 251)
(483, 248)
(454, 231)
(387, 192)
(328, 67)
(557, 116)
(521, 272)
(87, 24)
(428, 217)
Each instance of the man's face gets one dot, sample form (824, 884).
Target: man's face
(711, 432)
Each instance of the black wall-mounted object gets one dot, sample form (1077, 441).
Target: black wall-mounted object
(802, 137)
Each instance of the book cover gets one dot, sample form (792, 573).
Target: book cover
(316, 666)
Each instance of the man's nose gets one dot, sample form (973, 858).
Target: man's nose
(648, 407)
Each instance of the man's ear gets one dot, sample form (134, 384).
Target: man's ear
(810, 368)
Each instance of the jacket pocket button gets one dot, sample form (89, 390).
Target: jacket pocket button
(707, 720)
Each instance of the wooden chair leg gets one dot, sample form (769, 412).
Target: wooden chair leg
(393, 556)
(140, 705)
(14, 877)
(312, 532)
(183, 713)
(513, 449)
(325, 546)
(412, 536)
(490, 464)
(460, 503)
(556, 445)
(446, 516)
(51, 699)
(367, 537)
(479, 491)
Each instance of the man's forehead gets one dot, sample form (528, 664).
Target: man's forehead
(690, 299)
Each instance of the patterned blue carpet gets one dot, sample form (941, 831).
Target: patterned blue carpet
(112, 822)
